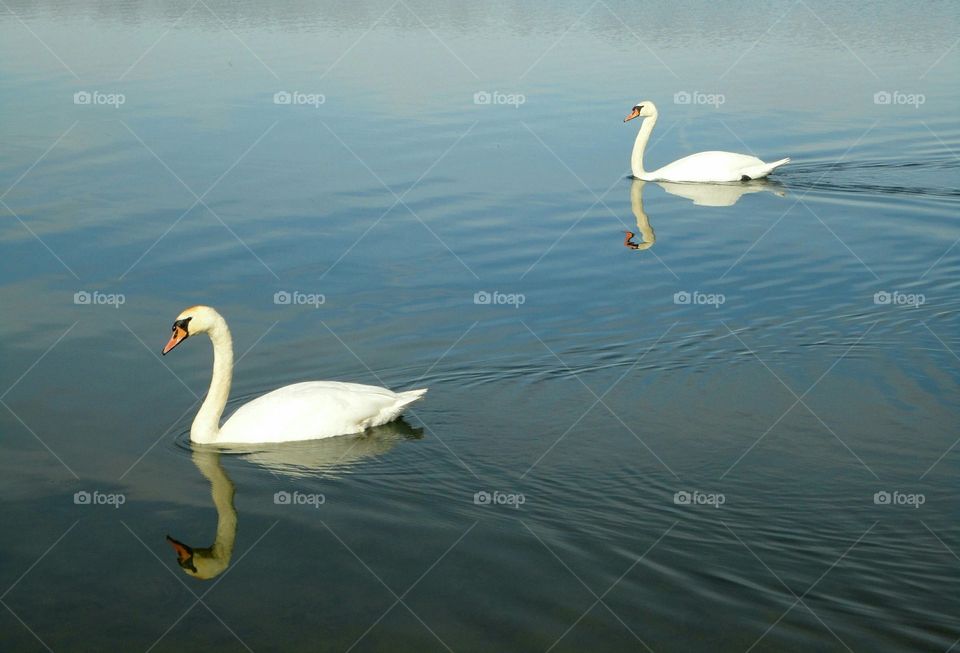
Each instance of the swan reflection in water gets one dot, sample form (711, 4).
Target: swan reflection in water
(326, 457)
(699, 194)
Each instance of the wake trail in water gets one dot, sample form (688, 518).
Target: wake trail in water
(861, 177)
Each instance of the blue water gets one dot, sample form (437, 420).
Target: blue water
(783, 354)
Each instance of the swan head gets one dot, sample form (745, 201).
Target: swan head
(194, 320)
(644, 109)
(199, 563)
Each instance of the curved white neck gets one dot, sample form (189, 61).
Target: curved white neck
(636, 159)
(643, 222)
(222, 490)
(206, 425)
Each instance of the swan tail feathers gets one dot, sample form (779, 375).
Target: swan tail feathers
(393, 411)
(410, 396)
(761, 171)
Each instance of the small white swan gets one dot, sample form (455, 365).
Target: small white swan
(302, 411)
(709, 167)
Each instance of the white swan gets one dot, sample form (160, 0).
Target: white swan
(302, 411)
(710, 167)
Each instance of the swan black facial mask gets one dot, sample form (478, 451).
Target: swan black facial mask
(181, 331)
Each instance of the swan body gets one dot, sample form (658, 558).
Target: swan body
(315, 409)
(302, 411)
(706, 167)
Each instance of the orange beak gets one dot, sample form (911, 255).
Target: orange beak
(179, 335)
(633, 114)
(184, 553)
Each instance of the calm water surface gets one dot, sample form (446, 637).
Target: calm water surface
(739, 435)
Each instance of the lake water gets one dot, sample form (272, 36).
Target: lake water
(738, 435)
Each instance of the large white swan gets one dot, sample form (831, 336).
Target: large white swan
(302, 411)
(710, 167)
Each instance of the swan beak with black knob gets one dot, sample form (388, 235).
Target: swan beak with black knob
(633, 114)
(181, 331)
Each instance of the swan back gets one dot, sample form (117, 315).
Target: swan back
(314, 409)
